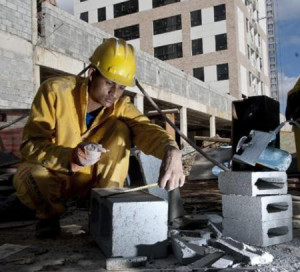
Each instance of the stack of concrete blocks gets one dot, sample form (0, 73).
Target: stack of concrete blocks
(130, 224)
(256, 207)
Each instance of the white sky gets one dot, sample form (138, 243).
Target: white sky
(66, 5)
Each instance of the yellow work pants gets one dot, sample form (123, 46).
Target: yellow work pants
(42, 189)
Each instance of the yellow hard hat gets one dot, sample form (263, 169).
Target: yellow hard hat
(115, 60)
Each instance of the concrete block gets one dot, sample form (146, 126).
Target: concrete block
(242, 252)
(149, 168)
(259, 208)
(253, 183)
(258, 233)
(130, 224)
(123, 263)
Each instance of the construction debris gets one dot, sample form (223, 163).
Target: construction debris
(123, 263)
(242, 252)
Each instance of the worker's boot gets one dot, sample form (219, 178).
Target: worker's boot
(12, 209)
(47, 228)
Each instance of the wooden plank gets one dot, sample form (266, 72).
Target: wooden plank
(213, 139)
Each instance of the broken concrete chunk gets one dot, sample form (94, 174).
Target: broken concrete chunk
(122, 263)
(186, 249)
(182, 251)
(223, 262)
(242, 251)
(207, 260)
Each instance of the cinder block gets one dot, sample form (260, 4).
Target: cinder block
(259, 208)
(130, 224)
(253, 183)
(259, 233)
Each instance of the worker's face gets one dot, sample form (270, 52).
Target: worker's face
(104, 91)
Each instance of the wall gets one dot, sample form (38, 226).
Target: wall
(16, 57)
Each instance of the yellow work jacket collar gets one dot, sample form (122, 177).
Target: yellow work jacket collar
(82, 92)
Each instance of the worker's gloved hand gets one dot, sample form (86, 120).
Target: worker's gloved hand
(171, 172)
(86, 154)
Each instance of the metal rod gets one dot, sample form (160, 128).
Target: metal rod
(215, 162)
(152, 185)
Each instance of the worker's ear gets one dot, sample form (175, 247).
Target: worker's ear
(91, 73)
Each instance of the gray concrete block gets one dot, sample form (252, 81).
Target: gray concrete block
(259, 233)
(242, 252)
(253, 183)
(259, 208)
(130, 224)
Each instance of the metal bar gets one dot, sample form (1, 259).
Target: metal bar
(215, 162)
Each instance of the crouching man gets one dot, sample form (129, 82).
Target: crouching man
(79, 134)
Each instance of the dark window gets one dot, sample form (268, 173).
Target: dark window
(197, 47)
(84, 16)
(101, 14)
(222, 71)
(159, 3)
(220, 12)
(221, 42)
(199, 73)
(167, 24)
(167, 52)
(196, 18)
(128, 33)
(83, 0)
(126, 7)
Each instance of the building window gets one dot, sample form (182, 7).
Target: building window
(167, 52)
(196, 18)
(221, 42)
(128, 33)
(197, 47)
(222, 71)
(159, 3)
(101, 14)
(199, 73)
(84, 16)
(220, 12)
(126, 7)
(83, 0)
(167, 24)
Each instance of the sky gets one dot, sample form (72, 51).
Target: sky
(287, 29)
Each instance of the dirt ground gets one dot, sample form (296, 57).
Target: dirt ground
(75, 250)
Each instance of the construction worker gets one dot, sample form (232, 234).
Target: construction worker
(70, 117)
(293, 112)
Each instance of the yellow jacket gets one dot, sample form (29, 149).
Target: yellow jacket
(57, 124)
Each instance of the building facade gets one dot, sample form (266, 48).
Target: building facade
(221, 42)
(272, 49)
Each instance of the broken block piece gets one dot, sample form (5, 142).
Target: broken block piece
(130, 224)
(223, 262)
(242, 252)
(258, 233)
(253, 183)
(260, 208)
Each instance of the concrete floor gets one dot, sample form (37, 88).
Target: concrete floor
(78, 252)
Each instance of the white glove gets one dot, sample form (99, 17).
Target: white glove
(87, 153)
